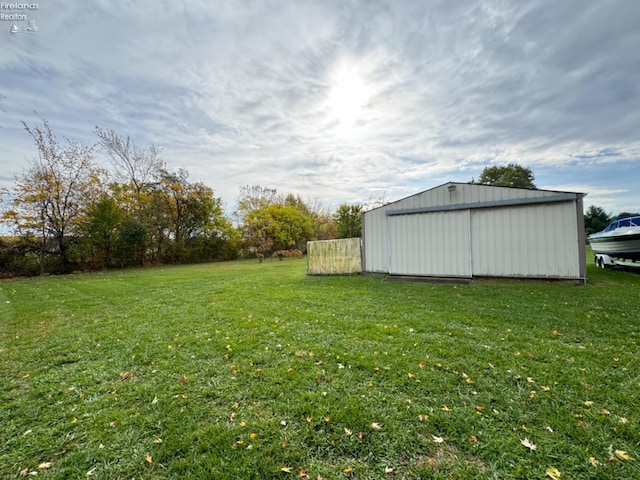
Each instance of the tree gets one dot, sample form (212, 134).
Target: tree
(52, 194)
(349, 220)
(512, 175)
(595, 220)
(103, 225)
(323, 223)
(254, 198)
(277, 227)
(192, 208)
(130, 243)
(139, 214)
(135, 165)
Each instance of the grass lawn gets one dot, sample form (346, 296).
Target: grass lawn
(247, 370)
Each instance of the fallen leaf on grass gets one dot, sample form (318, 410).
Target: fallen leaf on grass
(126, 375)
(286, 469)
(553, 473)
(388, 470)
(622, 455)
(445, 409)
(157, 440)
(437, 439)
(348, 470)
(44, 465)
(588, 403)
(92, 471)
(473, 439)
(303, 474)
(528, 444)
(594, 461)
(376, 426)
(148, 458)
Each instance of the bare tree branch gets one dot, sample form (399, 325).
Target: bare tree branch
(140, 166)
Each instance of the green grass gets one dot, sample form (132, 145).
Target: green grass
(248, 370)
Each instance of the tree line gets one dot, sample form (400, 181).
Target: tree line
(67, 213)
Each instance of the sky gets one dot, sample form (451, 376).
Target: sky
(338, 101)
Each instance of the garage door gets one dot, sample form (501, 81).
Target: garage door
(433, 244)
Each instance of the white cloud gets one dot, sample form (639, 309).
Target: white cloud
(242, 92)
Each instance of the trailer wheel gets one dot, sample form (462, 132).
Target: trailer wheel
(600, 262)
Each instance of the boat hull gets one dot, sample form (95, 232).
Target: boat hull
(616, 245)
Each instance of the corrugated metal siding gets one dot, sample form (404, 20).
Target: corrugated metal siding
(541, 240)
(375, 235)
(535, 241)
(435, 244)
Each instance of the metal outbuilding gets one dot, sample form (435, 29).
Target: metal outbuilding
(469, 230)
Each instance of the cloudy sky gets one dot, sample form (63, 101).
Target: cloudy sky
(338, 100)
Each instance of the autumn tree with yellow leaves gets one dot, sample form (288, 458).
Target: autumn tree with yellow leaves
(51, 196)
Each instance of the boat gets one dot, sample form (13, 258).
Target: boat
(620, 239)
